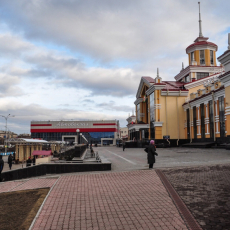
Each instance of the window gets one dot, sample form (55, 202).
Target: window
(201, 75)
(138, 112)
(152, 115)
(202, 59)
(192, 57)
(186, 79)
(211, 57)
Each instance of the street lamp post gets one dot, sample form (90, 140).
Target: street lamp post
(6, 117)
(78, 131)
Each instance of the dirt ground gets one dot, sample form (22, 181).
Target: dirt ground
(19, 208)
(206, 192)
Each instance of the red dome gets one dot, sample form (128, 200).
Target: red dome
(202, 43)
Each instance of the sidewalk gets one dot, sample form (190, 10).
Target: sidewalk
(173, 198)
(127, 200)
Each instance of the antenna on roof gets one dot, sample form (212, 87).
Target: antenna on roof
(229, 41)
(200, 26)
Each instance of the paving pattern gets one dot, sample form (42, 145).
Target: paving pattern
(27, 184)
(124, 200)
(206, 192)
(8, 186)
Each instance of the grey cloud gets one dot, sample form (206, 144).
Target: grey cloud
(112, 106)
(8, 86)
(88, 101)
(113, 29)
(24, 114)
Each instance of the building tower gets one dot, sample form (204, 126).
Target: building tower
(201, 54)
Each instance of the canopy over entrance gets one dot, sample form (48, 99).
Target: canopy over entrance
(40, 152)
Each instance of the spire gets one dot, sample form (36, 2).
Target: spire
(229, 41)
(200, 26)
(157, 72)
(182, 65)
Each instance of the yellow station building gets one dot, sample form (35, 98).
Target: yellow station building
(194, 106)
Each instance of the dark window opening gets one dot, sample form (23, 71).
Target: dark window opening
(201, 75)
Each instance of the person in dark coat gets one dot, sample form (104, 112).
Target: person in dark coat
(10, 160)
(33, 160)
(1, 167)
(123, 144)
(151, 154)
(28, 162)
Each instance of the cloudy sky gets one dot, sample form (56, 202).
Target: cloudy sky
(83, 59)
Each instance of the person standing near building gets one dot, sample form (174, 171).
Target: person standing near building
(10, 160)
(123, 144)
(1, 167)
(151, 154)
(28, 162)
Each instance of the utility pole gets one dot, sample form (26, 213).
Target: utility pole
(6, 117)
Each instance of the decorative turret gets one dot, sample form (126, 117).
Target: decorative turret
(202, 52)
(158, 79)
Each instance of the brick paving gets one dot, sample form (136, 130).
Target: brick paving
(206, 192)
(7, 186)
(124, 200)
(27, 184)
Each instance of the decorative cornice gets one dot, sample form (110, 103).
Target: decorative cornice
(177, 93)
(200, 81)
(193, 69)
(156, 86)
(137, 127)
(205, 98)
(158, 124)
(201, 46)
(138, 101)
(142, 81)
(225, 79)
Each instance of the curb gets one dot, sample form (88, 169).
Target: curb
(38, 213)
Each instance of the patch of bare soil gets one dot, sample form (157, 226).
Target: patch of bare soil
(18, 209)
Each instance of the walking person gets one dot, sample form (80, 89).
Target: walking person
(1, 167)
(28, 162)
(123, 144)
(10, 160)
(33, 160)
(151, 154)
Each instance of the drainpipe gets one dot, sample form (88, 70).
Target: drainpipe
(166, 114)
(178, 122)
(214, 123)
(190, 123)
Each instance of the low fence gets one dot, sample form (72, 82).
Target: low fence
(160, 143)
(57, 168)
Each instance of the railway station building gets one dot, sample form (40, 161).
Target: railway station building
(196, 105)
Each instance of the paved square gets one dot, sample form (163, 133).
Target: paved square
(124, 200)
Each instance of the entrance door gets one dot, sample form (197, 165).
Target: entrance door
(221, 116)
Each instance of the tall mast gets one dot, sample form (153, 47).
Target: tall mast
(200, 26)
